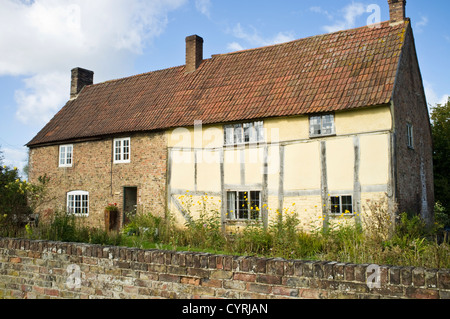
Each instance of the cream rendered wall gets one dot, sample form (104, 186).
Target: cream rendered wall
(340, 164)
(374, 159)
(208, 171)
(254, 165)
(363, 120)
(302, 166)
(183, 169)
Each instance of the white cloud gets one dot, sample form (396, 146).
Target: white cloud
(421, 24)
(50, 37)
(321, 11)
(234, 46)
(204, 7)
(43, 94)
(349, 15)
(15, 157)
(254, 39)
(434, 98)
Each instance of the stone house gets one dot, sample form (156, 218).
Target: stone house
(319, 126)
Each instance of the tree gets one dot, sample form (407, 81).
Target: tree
(440, 118)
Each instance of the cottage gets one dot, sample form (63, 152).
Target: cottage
(318, 126)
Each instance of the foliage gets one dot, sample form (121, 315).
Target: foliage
(112, 207)
(69, 228)
(441, 155)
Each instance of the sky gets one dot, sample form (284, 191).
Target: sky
(43, 40)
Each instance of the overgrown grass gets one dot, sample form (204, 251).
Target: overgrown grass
(408, 245)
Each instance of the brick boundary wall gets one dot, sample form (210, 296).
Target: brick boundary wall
(42, 269)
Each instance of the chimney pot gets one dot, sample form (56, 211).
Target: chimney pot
(194, 52)
(397, 11)
(80, 78)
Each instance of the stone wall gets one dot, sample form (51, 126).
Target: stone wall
(41, 269)
(414, 166)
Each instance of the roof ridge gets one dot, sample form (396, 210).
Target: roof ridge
(135, 76)
(386, 23)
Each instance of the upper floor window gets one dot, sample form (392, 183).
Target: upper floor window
(78, 203)
(410, 135)
(122, 147)
(321, 125)
(244, 133)
(65, 155)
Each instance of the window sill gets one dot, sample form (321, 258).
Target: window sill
(324, 135)
(245, 144)
(243, 222)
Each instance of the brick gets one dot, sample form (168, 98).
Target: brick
(394, 275)
(215, 283)
(431, 278)
(295, 282)
(51, 292)
(169, 278)
(283, 291)
(444, 279)
(259, 288)
(176, 270)
(235, 285)
(418, 277)
(308, 269)
(244, 277)
(269, 279)
(312, 294)
(221, 274)
(202, 273)
(349, 272)
(15, 260)
(420, 293)
(190, 281)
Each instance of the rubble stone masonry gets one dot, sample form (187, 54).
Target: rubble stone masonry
(42, 269)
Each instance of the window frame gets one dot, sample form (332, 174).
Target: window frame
(251, 211)
(66, 157)
(244, 133)
(343, 207)
(121, 148)
(322, 118)
(71, 206)
(410, 135)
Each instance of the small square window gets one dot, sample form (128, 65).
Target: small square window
(238, 134)
(341, 205)
(78, 203)
(65, 156)
(244, 205)
(321, 125)
(122, 150)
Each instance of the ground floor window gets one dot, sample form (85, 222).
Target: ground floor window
(78, 203)
(244, 205)
(341, 204)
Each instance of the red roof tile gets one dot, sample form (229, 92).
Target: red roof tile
(331, 72)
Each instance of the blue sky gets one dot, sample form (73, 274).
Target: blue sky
(119, 38)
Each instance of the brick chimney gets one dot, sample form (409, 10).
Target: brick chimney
(80, 78)
(194, 53)
(397, 10)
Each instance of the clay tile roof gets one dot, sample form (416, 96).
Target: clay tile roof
(331, 72)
